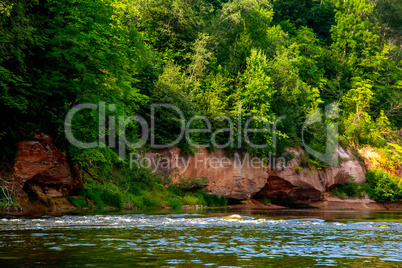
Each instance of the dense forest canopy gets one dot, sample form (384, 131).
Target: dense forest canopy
(277, 58)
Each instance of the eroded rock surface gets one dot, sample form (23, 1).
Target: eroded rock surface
(42, 174)
(242, 177)
(228, 175)
(307, 184)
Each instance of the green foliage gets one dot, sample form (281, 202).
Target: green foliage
(203, 199)
(317, 163)
(211, 97)
(78, 202)
(255, 93)
(277, 58)
(354, 34)
(18, 29)
(144, 190)
(381, 186)
(171, 26)
(171, 88)
(150, 200)
(389, 14)
(265, 200)
(365, 59)
(190, 200)
(339, 193)
(209, 199)
(384, 187)
(188, 184)
(7, 198)
(298, 168)
(174, 203)
(351, 189)
(102, 196)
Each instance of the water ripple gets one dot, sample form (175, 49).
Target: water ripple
(188, 240)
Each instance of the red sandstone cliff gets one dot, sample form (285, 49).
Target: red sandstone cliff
(42, 178)
(243, 177)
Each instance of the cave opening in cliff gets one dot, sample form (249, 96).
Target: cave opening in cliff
(276, 190)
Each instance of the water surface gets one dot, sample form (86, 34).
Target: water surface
(281, 238)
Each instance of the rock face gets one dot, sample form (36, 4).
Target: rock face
(228, 175)
(294, 184)
(242, 177)
(42, 173)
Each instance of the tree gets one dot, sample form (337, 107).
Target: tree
(354, 34)
(255, 94)
(18, 35)
(172, 26)
(91, 54)
(357, 103)
(239, 27)
(172, 87)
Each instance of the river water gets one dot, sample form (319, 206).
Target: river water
(280, 238)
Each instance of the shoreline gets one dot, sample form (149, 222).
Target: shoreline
(331, 204)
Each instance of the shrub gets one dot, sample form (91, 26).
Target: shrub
(384, 187)
(265, 200)
(337, 191)
(112, 199)
(151, 200)
(211, 200)
(381, 186)
(174, 203)
(78, 202)
(298, 168)
(190, 200)
(188, 184)
(351, 189)
(102, 196)
(7, 198)
(317, 163)
(142, 189)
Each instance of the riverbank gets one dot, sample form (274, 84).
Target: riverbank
(43, 180)
(331, 203)
(248, 207)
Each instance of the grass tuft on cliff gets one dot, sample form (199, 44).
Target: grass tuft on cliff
(7, 198)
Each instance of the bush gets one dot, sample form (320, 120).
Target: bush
(143, 189)
(151, 200)
(78, 202)
(174, 203)
(211, 200)
(7, 198)
(337, 191)
(188, 184)
(102, 196)
(112, 199)
(383, 186)
(351, 189)
(265, 200)
(298, 168)
(201, 198)
(190, 200)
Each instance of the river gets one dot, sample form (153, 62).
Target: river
(276, 238)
